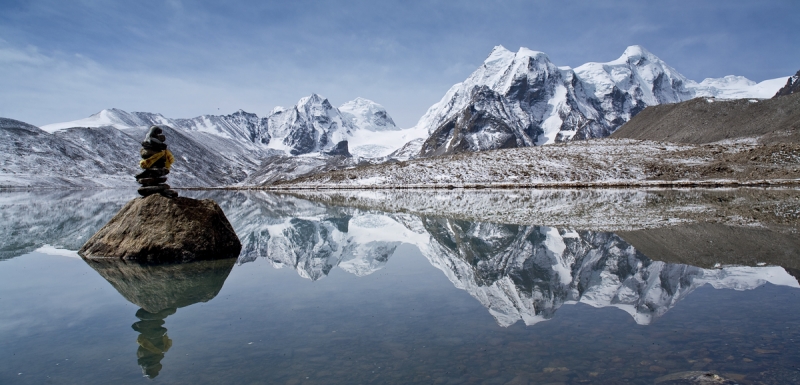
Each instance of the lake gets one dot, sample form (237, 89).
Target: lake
(433, 287)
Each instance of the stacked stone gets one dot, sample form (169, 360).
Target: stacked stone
(153, 178)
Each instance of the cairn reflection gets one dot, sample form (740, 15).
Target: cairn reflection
(159, 290)
(153, 340)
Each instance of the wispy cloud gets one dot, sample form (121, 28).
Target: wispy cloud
(65, 60)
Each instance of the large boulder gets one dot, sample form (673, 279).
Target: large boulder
(160, 229)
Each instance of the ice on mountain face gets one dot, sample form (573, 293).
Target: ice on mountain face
(367, 115)
(240, 126)
(529, 101)
(114, 118)
(313, 125)
(736, 87)
(217, 150)
(375, 134)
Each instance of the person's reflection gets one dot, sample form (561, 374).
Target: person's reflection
(153, 340)
(159, 290)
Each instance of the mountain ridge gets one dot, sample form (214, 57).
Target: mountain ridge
(514, 99)
(539, 103)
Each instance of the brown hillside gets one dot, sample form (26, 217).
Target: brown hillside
(706, 120)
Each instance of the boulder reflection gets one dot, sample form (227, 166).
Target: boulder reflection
(159, 290)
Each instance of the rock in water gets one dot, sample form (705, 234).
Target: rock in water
(160, 229)
(694, 378)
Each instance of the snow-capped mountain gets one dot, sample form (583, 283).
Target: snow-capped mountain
(523, 99)
(104, 156)
(312, 125)
(514, 99)
(736, 87)
(240, 125)
(368, 115)
(211, 150)
(377, 136)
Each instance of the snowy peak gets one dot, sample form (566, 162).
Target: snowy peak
(368, 115)
(637, 55)
(523, 99)
(113, 117)
(502, 68)
(639, 74)
(313, 125)
(314, 104)
(241, 126)
(792, 86)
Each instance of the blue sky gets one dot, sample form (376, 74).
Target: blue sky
(65, 60)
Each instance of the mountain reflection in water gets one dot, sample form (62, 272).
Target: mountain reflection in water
(159, 290)
(516, 270)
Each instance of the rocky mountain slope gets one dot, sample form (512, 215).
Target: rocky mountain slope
(706, 120)
(522, 99)
(105, 156)
(210, 150)
(792, 86)
(312, 125)
(597, 162)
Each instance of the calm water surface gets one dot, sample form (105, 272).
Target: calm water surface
(331, 294)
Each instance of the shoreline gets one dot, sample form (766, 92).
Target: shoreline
(543, 185)
(469, 186)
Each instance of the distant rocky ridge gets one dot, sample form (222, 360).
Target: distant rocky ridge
(210, 151)
(707, 120)
(522, 99)
(792, 86)
(312, 125)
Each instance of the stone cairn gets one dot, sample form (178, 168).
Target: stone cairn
(156, 161)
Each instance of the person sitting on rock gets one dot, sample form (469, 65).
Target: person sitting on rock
(154, 150)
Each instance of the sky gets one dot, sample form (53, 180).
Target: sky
(65, 60)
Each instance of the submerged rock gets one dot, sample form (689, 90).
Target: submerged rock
(161, 229)
(694, 378)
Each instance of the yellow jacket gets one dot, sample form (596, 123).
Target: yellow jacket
(147, 163)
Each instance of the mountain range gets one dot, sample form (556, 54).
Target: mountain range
(514, 99)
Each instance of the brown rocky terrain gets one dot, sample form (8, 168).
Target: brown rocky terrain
(707, 120)
(592, 163)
